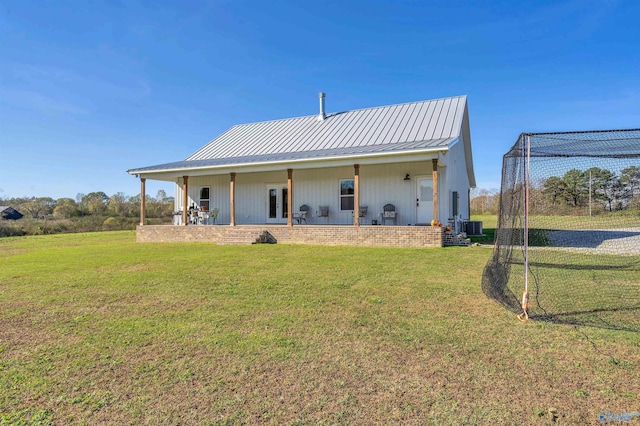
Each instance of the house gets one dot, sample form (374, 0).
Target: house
(9, 213)
(415, 157)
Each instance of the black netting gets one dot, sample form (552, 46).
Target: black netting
(582, 192)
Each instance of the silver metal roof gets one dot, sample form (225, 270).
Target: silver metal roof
(424, 125)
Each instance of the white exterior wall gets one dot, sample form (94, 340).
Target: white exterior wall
(379, 184)
(455, 179)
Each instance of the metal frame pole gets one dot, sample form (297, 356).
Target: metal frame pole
(526, 151)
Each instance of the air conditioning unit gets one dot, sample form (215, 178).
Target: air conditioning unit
(473, 227)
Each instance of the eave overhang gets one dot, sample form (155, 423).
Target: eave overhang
(296, 160)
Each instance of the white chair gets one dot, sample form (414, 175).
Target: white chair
(203, 217)
(323, 211)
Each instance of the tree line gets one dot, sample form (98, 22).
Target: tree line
(87, 212)
(594, 190)
(594, 186)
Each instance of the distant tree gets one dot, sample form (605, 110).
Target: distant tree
(630, 178)
(554, 188)
(576, 187)
(95, 202)
(65, 208)
(118, 203)
(605, 187)
(38, 208)
(484, 201)
(161, 195)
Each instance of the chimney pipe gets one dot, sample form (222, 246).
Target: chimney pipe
(322, 115)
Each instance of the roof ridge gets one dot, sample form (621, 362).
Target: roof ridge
(329, 114)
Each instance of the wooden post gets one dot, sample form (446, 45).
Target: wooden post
(356, 195)
(290, 197)
(435, 189)
(232, 199)
(143, 199)
(185, 199)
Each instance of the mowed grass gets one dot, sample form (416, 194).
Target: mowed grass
(96, 329)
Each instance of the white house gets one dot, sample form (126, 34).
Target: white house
(415, 156)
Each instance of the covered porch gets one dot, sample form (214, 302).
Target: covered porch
(398, 193)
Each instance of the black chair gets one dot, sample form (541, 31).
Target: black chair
(301, 216)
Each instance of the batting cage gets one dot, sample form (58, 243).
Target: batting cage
(567, 242)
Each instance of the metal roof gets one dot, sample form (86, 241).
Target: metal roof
(424, 126)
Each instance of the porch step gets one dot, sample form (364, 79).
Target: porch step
(450, 238)
(240, 236)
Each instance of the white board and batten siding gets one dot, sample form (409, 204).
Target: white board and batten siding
(380, 184)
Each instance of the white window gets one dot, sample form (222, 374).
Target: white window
(204, 198)
(346, 194)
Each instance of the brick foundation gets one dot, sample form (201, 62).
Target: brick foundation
(372, 236)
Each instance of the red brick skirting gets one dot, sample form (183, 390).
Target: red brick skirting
(332, 235)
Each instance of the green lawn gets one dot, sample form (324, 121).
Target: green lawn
(96, 329)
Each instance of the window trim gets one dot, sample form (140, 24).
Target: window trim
(207, 200)
(346, 196)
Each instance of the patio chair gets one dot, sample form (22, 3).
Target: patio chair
(389, 213)
(301, 216)
(213, 216)
(203, 217)
(192, 216)
(323, 211)
(177, 217)
(363, 211)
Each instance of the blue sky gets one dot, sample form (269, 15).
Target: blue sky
(89, 90)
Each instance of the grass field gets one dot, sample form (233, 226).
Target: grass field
(96, 329)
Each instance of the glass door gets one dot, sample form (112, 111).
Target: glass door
(277, 203)
(424, 200)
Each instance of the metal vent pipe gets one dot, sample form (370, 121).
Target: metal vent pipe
(322, 114)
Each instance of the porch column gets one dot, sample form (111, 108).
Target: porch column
(356, 195)
(435, 189)
(232, 199)
(185, 199)
(143, 200)
(290, 197)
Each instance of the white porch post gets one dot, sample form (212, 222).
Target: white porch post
(232, 199)
(143, 200)
(290, 197)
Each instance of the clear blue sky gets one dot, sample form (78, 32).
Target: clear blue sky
(89, 90)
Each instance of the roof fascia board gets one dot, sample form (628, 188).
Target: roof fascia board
(311, 163)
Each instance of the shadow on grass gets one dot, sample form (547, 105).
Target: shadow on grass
(487, 239)
(581, 299)
(633, 266)
(594, 318)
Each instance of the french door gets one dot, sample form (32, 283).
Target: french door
(277, 202)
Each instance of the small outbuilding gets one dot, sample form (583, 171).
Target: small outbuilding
(9, 213)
